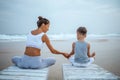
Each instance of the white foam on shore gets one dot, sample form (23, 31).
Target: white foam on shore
(4, 37)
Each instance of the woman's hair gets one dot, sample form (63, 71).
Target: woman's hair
(42, 21)
(82, 30)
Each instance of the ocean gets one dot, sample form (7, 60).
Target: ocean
(23, 37)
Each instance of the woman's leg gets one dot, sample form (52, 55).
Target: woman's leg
(16, 60)
(47, 62)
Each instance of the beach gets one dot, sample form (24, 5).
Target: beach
(107, 54)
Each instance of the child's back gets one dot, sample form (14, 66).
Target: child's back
(81, 52)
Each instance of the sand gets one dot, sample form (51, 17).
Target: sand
(107, 54)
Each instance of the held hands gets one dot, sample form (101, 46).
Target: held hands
(66, 55)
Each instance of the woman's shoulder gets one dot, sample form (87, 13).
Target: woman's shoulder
(35, 33)
(45, 37)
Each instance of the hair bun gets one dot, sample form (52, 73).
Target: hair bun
(40, 18)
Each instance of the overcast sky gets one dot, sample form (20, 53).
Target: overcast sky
(99, 16)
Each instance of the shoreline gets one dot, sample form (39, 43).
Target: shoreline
(107, 54)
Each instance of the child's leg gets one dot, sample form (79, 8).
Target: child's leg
(71, 59)
(47, 62)
(91, 60)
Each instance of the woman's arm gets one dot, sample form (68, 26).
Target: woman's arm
(47, 41)
(88, 53)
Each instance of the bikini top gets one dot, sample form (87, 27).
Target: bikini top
(34, 40)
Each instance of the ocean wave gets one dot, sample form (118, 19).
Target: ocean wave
(13, 37)
(55, 36)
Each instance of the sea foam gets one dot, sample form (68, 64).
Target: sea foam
(4, 37)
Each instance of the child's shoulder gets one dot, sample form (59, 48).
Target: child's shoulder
(73, 43)
(87, 43)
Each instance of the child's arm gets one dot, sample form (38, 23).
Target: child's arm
(72, 52)
(88, 53)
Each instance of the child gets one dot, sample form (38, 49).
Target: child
(81, 50)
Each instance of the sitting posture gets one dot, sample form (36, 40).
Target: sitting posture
(35, 39)
(81, 50)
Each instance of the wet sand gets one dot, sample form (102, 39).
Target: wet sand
(107, 54)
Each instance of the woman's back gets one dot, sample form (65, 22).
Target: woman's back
(34, 40)
(34, 43)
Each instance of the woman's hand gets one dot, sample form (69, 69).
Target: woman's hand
(66, 55)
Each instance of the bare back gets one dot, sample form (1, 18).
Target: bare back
(32, 51)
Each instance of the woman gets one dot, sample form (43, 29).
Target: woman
(35, 39)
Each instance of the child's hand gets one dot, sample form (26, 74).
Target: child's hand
(66, 55)
(69, 56)
(93, 54)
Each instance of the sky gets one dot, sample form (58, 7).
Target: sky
(98, 16)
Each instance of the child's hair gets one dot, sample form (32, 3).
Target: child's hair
(82, 30)
(41, 21)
